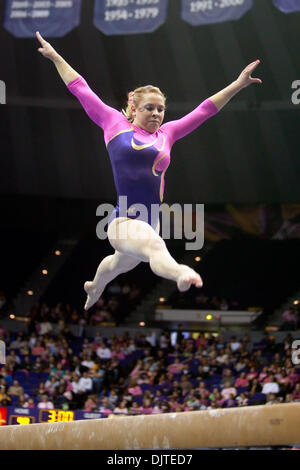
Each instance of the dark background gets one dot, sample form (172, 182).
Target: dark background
(248, 153)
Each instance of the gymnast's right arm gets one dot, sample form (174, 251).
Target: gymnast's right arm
(99, 112)
(65, 70)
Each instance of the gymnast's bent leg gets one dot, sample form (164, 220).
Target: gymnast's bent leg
(109, 268)
(139, 240)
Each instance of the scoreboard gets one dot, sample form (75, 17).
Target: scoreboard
(20, 416)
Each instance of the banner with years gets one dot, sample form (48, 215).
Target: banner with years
(115, 17)
(287, 6)
(53, 18)
(202, 12)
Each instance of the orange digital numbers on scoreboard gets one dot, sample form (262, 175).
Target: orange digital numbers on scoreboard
(17, 419)
(55, 416)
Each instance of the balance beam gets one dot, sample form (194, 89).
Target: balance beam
(266, 425)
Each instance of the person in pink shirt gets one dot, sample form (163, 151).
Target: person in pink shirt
(242, 381)
(263, 374)
(139, 147)
(134, 389)
(38, 349)
(91, 403)
(176, 367)
(228, 390)
(252, 374)
(146, 408)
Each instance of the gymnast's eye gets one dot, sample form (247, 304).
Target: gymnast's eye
(151, 107)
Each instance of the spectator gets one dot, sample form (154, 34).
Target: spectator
(105, 407)
(255, 386)
(41, 391)
(252, 374)
(5, 399)
(242, 381)
(272, 399)
(134, 410)
(271, 386)
(51, 384)
(164, 340)
(15, 390)
(98, 377)
(235, 345)
(134, 389)
(18, 343)
(289, 398)
(121, 409)
(21, 401)
(146, 407)
(91, 403)
(45, 404)
(296, 392)
(85, 383)
(230, 402)
(38, 349)
(228, 390)
(103, 352)
(242, 400)
(176, 367)
(113, 398)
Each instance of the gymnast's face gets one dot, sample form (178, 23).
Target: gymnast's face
(150, 112)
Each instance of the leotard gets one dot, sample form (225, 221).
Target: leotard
(139, 159)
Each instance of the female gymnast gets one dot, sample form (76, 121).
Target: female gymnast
(139, 147)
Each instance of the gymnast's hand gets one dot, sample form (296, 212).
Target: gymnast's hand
(245, 79)
(46, 50)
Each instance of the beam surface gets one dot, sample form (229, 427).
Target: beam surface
(264, 425)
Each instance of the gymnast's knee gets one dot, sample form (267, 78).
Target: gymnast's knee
(156, 245)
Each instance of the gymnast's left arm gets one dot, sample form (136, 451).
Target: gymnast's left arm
(208, 108)
(245, 79)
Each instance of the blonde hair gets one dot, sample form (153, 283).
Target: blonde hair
(135, 97)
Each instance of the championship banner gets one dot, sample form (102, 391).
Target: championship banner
(52, 18)
(287, 6)
(115, 17)
(202, 12)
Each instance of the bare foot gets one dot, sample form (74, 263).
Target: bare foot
(93, 294)
(187, 278)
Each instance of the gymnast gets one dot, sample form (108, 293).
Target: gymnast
(139, 147)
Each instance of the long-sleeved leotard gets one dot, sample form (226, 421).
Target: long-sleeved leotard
(139, 159)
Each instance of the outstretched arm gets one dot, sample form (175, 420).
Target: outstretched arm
(64, 69)
(245, 79)
(208, 108)
(102, 114)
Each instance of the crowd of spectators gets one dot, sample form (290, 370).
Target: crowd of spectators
(145, 374)
(194, 299)
(113, 306)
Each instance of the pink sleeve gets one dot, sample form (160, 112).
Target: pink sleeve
(102, 114)
(181, 127)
